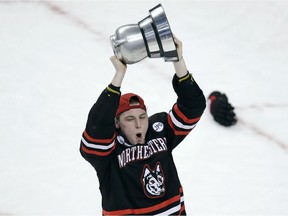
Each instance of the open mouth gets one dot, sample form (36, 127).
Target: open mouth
(138, 135)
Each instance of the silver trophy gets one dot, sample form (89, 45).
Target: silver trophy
(151, 37)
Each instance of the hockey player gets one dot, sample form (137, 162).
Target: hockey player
(132, 153)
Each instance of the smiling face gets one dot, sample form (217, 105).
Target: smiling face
(134, 125)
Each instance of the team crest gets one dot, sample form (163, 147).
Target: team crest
(153, 181)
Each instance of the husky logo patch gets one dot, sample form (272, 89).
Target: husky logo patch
(153, 181)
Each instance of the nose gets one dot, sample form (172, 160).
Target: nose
(137, 123)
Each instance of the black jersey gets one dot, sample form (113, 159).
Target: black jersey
(142, 178)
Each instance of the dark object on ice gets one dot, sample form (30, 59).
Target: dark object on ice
(221, 110)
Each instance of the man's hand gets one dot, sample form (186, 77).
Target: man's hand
(178, 44)
(180, 66)
(221, 110)
(120, 71)
(118, 65)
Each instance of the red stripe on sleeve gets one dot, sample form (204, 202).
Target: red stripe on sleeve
(176, 132)
(98, 153)
(183, 117)
(89, 138)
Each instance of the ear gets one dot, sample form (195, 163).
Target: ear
(146, 172)
(158, 167)
(117, 123)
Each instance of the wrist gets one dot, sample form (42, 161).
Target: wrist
(113, 89)
(121, 69)
(118, 78)
(180, 58)
(180, 67)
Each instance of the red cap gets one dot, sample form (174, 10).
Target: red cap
(125, 105)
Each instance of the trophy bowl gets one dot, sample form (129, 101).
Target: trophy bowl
(151, 37)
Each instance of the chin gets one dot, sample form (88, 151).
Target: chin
(139, 142)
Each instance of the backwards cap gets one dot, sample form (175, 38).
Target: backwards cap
(125, 104)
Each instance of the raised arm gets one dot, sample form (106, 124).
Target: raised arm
(180, 66)
(190, 102)
(98, 139)
(120, 70)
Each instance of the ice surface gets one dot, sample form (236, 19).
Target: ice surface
(55, 61)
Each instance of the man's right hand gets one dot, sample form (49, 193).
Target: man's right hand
(120, 71)
(118, 65)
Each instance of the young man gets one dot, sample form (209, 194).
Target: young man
(132, 154)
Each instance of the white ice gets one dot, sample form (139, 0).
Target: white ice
(54, 62)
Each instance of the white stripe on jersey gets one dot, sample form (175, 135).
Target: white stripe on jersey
(173, 209)
(182, 199)
(179, 124)
(170, 211)
(94, 146)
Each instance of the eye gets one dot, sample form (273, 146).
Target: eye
(129, 119)
(143, 116)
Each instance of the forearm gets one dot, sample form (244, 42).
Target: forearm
(101, 116)
(98, 138)
(118, 78)
(180, 68)
(190, 95)
(120, 69)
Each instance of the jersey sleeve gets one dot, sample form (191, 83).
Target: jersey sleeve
(98, 138)
(188, 109)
